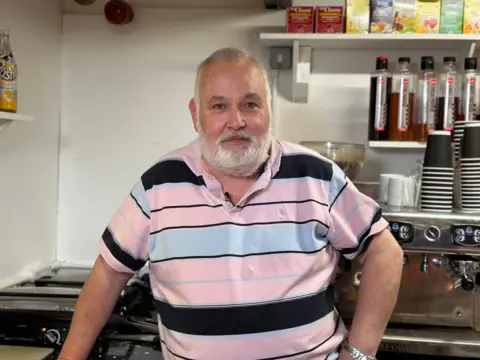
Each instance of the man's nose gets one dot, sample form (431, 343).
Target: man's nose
(236, 120)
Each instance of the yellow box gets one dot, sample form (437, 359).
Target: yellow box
(428, 16)
(471, 17)
(358, 16)
(404, 16)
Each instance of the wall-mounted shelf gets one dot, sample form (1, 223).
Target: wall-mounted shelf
(303, 44)
(371, 41)
(397, 145)
(6, 118)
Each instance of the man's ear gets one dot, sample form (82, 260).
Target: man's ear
(193, 112)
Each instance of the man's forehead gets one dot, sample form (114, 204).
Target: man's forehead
(225, 72)
(248, 96)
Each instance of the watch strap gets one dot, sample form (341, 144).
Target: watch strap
(355, 353)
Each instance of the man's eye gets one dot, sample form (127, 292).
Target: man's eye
(252, 105)
(218, 106)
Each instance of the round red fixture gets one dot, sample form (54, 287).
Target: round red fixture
(118, 12)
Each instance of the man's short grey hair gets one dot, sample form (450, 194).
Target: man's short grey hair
(230, 54)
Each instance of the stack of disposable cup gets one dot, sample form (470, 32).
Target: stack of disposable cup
(436, 191)
(469, 168)
(458, 130)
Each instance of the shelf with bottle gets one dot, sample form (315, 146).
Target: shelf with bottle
(8, 84)
(370, 41)
(302, 45)
(6, 118)
(407, 106)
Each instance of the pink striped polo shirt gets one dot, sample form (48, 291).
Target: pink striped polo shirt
(251, 281)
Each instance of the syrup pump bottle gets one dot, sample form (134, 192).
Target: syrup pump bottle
(402, 102)
(379, 110)
(468, 110)
(426, 106)
(448, 95)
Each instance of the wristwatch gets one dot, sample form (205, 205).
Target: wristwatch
(355, 353)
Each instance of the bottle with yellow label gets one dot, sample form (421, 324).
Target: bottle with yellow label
(8, 75)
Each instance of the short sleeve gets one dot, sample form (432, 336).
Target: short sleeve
(354, 217)
(125, 242)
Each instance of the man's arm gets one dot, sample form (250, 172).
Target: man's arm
(358, 230)
(381, 276)
(94, 306)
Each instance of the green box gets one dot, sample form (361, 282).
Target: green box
(451, 17)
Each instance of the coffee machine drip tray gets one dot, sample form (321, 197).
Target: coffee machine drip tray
(435, 341)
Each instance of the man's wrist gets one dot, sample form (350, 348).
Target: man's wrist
(354, 352)
(367, 344)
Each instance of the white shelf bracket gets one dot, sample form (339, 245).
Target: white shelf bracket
(301, 69)
(6, 118)
(4, 124)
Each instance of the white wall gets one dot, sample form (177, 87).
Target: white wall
(125, 96)
(125, 93)
(29, 151)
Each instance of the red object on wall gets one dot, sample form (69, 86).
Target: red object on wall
(118, 12)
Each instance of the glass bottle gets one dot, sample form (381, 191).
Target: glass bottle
(426, 106)
(402, 102)
(8, 75)
(379, 110)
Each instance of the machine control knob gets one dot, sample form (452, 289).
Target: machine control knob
(53, 336)
(432, 233)
(468, 284)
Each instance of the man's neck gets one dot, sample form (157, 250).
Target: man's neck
(224, 177)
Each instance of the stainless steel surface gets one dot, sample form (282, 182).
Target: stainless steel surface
(424, 298)
(33, 291)
(412, 214)
(39, 298)
(432, 231)
(432, 341)
(23, 353)
(438, 288)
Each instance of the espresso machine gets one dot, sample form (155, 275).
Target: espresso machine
(438, 306)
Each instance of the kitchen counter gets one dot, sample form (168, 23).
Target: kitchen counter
(60, 288)
(23, 352)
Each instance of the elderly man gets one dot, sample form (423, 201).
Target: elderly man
(243, 233)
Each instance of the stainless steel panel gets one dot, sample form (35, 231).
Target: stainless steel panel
(33, 291)
(440, 271)
(432, 341)
(23, 352)
(432, 298)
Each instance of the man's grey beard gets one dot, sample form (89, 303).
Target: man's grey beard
(242, 163)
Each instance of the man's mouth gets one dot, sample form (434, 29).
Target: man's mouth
(235, 140)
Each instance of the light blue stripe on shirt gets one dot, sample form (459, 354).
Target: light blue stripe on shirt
(237, 240)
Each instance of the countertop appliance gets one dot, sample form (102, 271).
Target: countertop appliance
(438, 307)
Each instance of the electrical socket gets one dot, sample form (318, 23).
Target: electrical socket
(281, 58)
